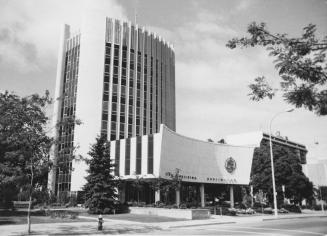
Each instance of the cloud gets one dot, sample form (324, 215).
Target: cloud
(16, 52)
(30, 30)
(243, 5)
(212, 80)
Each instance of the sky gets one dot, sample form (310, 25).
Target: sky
(211, 79)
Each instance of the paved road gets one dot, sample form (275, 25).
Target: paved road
(308, 226)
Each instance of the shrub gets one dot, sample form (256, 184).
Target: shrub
(231, 211)
(292, 208)
(62, 214)
(268, 210)
(159, 204)
(74, 215)
(224, 204)
(318, 207)
(258, 205)
(121, 208)
(250, 211)
(282, 210)
(224, 211)
(141, 204)
(107, 211)
(182, 206)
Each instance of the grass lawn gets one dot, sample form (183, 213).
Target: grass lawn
(9, 220)
(137, 218)
(37, 217)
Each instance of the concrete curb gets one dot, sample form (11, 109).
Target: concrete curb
(295, 217)
(218, 223)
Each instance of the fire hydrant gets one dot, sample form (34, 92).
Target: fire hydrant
(100, 222)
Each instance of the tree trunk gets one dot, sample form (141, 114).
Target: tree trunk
(138, 197)
(30, 201)
(29, 215)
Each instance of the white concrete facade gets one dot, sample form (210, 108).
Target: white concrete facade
(198, 161)
(317, 172)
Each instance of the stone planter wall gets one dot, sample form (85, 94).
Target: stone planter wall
(190, 214)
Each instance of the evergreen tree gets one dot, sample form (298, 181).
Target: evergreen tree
(100, 189)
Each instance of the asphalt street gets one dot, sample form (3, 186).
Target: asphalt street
(306, 226)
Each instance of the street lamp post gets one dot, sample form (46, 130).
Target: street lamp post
(321, 200)
(272, 162)
(283, 188)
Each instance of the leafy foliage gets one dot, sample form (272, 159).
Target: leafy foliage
(167, 185)
(301, 63)
(288, 172)
(261, 89)
(100, 189)
(24, 144)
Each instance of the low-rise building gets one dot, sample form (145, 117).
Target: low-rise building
(202, 166)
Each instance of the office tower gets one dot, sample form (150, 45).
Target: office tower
(119, 80)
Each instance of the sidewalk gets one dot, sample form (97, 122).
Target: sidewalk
(118, 226)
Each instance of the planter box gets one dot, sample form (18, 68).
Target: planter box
(190, 214)
(21, 204)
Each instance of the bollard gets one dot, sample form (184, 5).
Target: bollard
(100, 222)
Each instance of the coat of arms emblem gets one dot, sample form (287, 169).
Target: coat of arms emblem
(230, 165)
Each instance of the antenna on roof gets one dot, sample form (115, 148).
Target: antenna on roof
(135, 11)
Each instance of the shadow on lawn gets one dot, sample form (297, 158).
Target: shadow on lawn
(86, 230)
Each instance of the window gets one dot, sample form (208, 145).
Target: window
(150, 154)
(138, 155)
(105, 97)
(115, 88)
(106, 86)
(106, 78)
(127, 156)
(117, 157)
(105, 116)
(107, 69)
(107, 60)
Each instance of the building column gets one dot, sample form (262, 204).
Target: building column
(178, 197)
(157, 196)
(202, 195)
(231, 194)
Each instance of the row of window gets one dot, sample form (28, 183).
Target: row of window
(153, 93)
(144, 43)
(106, 84)
(66, 130)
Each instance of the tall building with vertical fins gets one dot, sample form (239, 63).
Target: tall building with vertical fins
(119, 80)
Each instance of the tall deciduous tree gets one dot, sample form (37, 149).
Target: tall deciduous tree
(301, 64)
(100, 189)
(138, 184)
(24, 145)
(288, 172)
